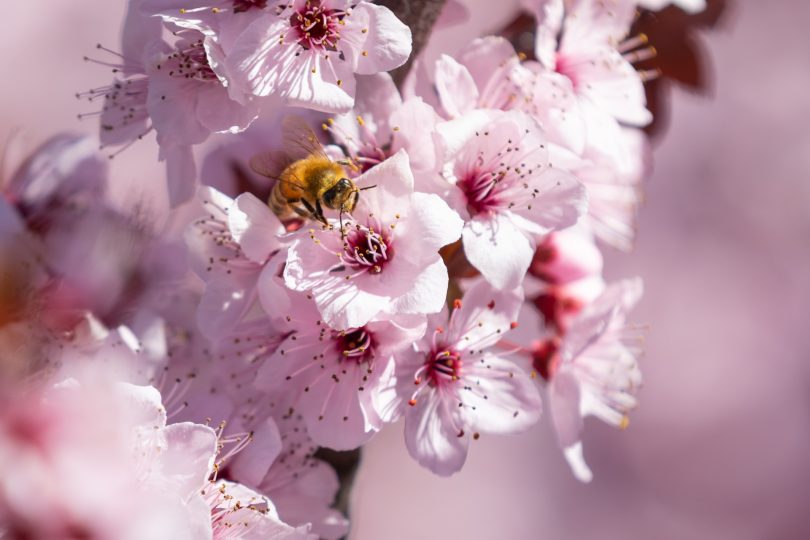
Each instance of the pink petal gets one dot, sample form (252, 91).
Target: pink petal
(251, 464)
(455, 86)
(431, 438)
(562, 199)
(512, 403)
(484, 56)
(484, 311)
(190, 455)
(427, 293)
(254, 226)
(497, 249)
(573, 455)
(564, 402)
(224, 304)
(413, 119)
(217, 112)
(387, 40)
(181, 173)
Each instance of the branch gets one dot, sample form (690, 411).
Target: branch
(419, 16)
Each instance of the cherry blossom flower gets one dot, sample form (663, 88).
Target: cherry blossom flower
(497, 166)
(585, 42)
(309, 52)
(182, 91)
(232, 244)
(566, 256)
(381, 123)
(385, 260)
(615, 189)
(96, 460)
(65, 172)
(489, 74)
(593, 369)
(332, 375)
(455, 384)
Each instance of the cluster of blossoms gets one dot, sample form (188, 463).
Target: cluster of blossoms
(177, 380)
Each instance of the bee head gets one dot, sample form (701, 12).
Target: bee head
(341, 196)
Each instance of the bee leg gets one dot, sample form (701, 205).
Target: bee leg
(312, 212)
(319, 212)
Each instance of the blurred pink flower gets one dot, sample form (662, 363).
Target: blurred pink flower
(585, 42)
(593, 370)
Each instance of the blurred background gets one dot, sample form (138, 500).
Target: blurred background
(720, 444)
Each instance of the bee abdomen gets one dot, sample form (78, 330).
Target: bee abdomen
(279, 205)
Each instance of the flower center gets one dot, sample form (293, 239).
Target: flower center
(316, 27)
(443, 366)
(355, 345)
(189, 61)
(240, 6)
(481, 190)
(565, 67)
(546, 358)
(365, 249)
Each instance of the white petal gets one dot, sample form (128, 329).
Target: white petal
(498, 249)
(254, 226)
(432, 437)
(455, 86)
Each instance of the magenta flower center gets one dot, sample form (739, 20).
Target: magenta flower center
(481, 188)
(567, 68)
(190, 61)
(365, 249)
(240, 6)
(316, 27)
(443, 366)
(355, 345)
(546, 358)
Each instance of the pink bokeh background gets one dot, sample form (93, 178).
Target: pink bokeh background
(719, 447)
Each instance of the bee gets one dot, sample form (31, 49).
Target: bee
(307, 179)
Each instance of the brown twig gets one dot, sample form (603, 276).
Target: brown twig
(419, 16)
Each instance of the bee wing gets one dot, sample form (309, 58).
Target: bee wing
(270, 164)
(299, 139)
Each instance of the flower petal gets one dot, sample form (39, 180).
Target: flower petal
(498, 249)
(431, 438)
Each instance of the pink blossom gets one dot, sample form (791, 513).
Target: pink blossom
(182, 91)
(497, 167)
(331, 376)
(385, 261)
(593, 370)
(381, 123)
(101, 462)
(232, 245)
(455, 383)
(239, 512)
(489, 74)
(615, 189)
(566, 256)
(310, 50)
(585, 42)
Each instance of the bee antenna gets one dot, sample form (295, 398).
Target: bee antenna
(367, 187)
